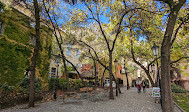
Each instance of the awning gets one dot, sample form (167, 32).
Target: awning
(72, 72)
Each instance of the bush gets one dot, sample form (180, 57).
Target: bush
(78, 83)
(178, 89)
(6, 89)
(25, 85)
(73, 83)
(51, 82)
(62, 83)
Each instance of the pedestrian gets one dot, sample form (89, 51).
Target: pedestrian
(143, 85)
(138, 83)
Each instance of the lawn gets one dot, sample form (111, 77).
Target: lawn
(182, 99)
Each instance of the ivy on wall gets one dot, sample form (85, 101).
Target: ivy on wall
(14, 61)
(15, 51)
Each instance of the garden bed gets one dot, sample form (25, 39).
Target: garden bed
(18, 99)
(182, 99)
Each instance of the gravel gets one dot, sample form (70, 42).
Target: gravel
(129, 101)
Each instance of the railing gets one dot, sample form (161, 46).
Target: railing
(178, 108)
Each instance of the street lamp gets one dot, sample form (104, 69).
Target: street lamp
(155, 50)
(116, 62)
(57, 61)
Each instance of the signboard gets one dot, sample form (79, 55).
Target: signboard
(156, 92)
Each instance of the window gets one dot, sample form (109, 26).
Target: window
(53, 72)
(69, 50)
(77, 53)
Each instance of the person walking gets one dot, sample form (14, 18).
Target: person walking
(138, 83)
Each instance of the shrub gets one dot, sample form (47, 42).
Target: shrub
(51, 82)
(62, 83)
(25, 85)
(178, 89)
(78, 83)
(73, 83)
(6, 89)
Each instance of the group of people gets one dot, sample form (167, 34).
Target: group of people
(140, 84)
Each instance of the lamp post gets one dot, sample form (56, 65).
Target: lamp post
(57, 61)
(155, 50)
(115, 62)
(153, 69)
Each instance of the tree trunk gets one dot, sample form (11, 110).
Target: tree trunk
(35, 54)
(102, 79)
(110, 75)
(167, 101)
(126, 76)
(66, 71)
(127, 80)
(165, 80)
(95, 73)
(119, 90)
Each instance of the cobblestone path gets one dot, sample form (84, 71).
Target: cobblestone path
(129, 101)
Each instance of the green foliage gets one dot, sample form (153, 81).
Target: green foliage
(45, 53)
(14, 61)
(182, 99)
(62, 83)
(14, 55)
(25, 85)
(51, 82)
(69, 68)
(17, 33)
(178, 89)
(18, 27)
(78, 83)
(6, 88)
(75, 83)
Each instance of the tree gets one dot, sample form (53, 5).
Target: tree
(109, 32)
(167, 101)
(52, 23)
(35, 54)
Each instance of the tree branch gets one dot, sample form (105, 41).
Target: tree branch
(153, 62)
(179, 60)
(176, 31)
(98, 21)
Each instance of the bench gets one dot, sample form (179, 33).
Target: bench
(69, 93)
(85, 89)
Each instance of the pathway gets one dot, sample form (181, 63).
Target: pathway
(129, 101)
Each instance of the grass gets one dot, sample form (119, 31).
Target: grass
(182, 99)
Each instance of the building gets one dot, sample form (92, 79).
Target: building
(17, 41)
(71, 53)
